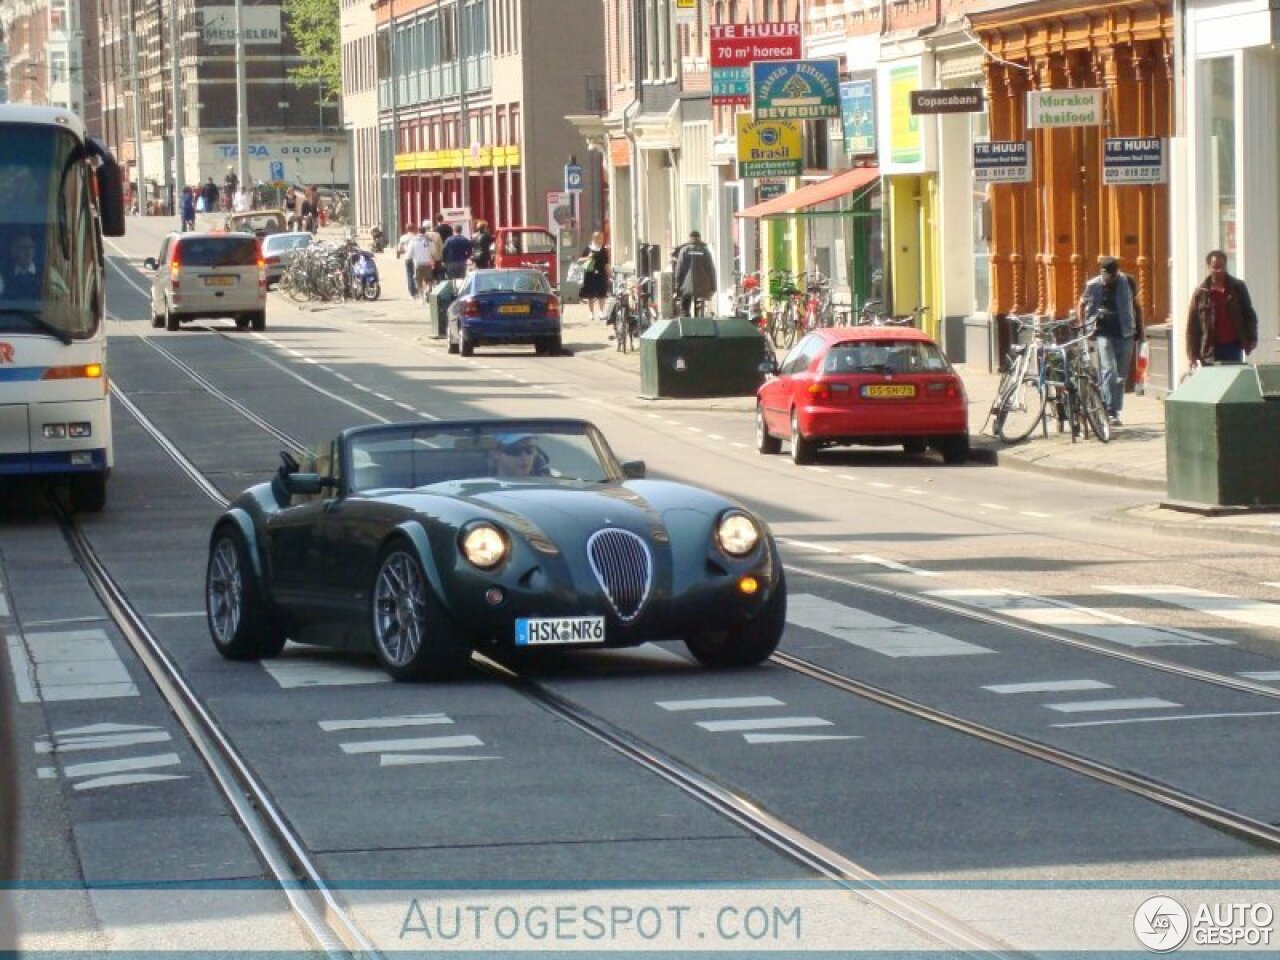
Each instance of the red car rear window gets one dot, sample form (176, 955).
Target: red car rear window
(884, 356)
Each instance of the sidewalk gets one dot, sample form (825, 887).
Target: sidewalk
(1134, 458)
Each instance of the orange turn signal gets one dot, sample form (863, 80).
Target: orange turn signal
(748, 586)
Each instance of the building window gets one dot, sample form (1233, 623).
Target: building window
(1219, 82)
(979, 130)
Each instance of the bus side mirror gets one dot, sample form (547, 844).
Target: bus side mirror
(110, 198)
(150, 263)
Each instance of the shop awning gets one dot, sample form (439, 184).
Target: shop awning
(813, 194)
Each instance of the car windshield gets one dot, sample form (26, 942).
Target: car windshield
(218, 251)
(412, 455)
(510, 281)
(528, 241)
(884, 356)
(290, 241)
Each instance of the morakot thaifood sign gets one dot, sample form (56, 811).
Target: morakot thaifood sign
(1065, 108)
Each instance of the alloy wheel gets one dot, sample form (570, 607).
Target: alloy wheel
(399, 608)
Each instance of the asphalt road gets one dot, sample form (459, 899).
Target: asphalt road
(530, 802)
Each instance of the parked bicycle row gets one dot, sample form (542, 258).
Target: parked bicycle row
(331, 272)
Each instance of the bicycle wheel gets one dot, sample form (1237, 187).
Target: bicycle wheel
(1095, 411)
(1021, 409)
(790, 326)
(776, 327)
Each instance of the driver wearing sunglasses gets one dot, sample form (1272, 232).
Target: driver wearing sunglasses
(517, 455)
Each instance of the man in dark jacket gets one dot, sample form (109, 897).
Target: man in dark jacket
(1222, 326)
(457, 254)
(1110, 301)
(210, 193)
(695, 273)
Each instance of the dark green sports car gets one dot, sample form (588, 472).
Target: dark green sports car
(425, 541)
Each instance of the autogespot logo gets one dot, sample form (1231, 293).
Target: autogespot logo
(1161, 924)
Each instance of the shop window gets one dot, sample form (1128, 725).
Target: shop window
(1218, 77)
(978, 130)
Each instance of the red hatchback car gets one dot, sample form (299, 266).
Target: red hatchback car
(876, 386)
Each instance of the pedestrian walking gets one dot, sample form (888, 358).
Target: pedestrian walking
(1222, 326)
(188, 209)
(402, 250)
(595, 276)
(210, 194)
(457, 254)
(482, 246)
(231, 184)
(695, 275)
(1110, 300)
(443, 232)
(420, 253)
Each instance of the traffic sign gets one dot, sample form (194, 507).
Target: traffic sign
(277, 170)
(573, 176)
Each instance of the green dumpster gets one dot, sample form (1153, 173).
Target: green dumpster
(1220, 443)
(442, 294)
(701, 357)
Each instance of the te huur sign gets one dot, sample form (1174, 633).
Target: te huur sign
(1065, 108)
(1002, 161)
(1133, 160)
(956, 100)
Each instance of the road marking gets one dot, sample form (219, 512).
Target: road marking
(1261, 675)
(1255, 613)
(819, 470)
(763, 723)
(1168, 718)
(375, 723)
(125, 779)
(1037, 514)
(123, 765)
(893, 565)
(720, 703)
(1099, 624)
(1048, 686)
(404, 406)
(743, 446)
(1094, 706)
(100, 741)
(877, 634)
(992, 506)
(68, 665)
(4, 606)
(413, 743)
(795, 737)
(808, 545)
(714, 436)
(882, 486)
(403, 760)
(1271, 583)
(306, 671)
(847, 476)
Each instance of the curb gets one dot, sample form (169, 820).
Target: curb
(1147, 517)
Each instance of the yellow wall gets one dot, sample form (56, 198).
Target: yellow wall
(914, 264)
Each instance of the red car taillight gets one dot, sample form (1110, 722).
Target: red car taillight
(471, 308)
(950, 389)
(553, 308)
(820, 390)
(175, 267)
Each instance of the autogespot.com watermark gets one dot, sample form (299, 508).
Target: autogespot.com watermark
(614, 923)
(1163, 924)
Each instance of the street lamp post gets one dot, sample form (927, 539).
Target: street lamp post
(135, 83)
(175, 42)
(242, 120)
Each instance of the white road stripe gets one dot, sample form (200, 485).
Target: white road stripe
(794, 737)
(23, 671)
(894, 565)
(418, 743)
(291, 673)
(1037, 514)
(1048, 686)
(377, 723)
(735, 443)
(1098, 706)
(993, 506)
(1261, 675)
(125, 779)
(866, 630)
(1255, 613)
(101, 741)
(122, 765)
(1099, 624)
(882, 486)
(1271, 583)
(762, 723)
(76, 665)
(1167, 718)
(720, 703)
(4, 606)
(808, 545)
(403, 760)
(714, 436)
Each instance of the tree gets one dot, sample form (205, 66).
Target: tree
(314, 26)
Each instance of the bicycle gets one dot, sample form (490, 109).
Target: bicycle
(871, 316)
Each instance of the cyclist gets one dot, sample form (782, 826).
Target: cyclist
(1111, 300)
(695, 274)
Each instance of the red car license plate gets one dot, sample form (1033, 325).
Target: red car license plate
(882, 391)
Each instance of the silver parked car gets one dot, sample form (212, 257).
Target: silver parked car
(278, 249)
(209, 275)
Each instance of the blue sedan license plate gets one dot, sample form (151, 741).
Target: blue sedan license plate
(547, 631)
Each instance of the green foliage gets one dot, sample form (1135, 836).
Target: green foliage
(314, 26)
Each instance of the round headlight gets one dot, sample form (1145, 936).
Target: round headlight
(484, 546)
(738, 534)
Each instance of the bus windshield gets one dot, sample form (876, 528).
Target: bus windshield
(49, 254)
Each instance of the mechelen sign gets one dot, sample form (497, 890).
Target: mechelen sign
(261, 26)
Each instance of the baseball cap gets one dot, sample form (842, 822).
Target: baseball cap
(1108, 264)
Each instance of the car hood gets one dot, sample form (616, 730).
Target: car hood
(565, 507)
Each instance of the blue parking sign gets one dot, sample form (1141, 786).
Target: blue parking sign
(277, 169)
(573, 176)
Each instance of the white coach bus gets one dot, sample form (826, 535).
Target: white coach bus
(60, 193)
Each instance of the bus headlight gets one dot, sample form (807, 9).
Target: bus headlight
(80, 430)
(55, 431)
(737, 534)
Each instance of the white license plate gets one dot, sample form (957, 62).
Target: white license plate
(548, 631)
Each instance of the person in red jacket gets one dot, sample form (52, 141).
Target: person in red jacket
(1222, 326)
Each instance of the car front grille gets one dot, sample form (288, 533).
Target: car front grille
(624, 569)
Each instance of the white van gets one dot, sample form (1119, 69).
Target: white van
(209, 275)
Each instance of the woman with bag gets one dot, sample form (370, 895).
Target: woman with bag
(595, 276)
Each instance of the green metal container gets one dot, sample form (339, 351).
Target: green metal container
(1222, 440)
(701, 357)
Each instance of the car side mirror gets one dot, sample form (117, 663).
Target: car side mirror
(633, 469)
(150, 263)
(769, 367)
(306, 484)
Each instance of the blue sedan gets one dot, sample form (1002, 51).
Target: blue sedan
(504, 307)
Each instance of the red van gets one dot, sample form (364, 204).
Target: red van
(526, 247)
